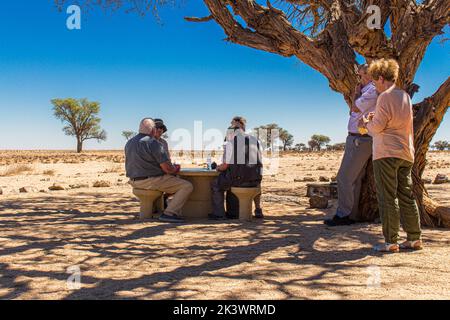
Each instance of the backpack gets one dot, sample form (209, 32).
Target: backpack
(245, 174)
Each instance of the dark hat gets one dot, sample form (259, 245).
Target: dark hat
(159, 124)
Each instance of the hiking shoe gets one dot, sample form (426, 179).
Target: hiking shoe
(170, 218)
(259, 213)
(338, 221)
(387, 247)
(212, 216)
(412, 245)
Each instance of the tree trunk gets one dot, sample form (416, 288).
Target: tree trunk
(368, 205)
(428, 116)
(79, 145)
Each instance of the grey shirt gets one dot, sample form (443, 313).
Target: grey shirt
(143, 156)
(165, 146)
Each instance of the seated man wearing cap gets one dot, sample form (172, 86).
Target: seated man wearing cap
(161, 129)
(148, 167)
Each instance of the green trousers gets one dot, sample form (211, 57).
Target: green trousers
(395, 198)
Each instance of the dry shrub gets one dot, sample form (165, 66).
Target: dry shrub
(49, 172)
(15, 170)
(113, 169)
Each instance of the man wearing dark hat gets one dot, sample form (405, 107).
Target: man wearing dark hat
(161, 129)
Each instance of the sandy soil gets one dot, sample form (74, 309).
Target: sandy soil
(289, 255)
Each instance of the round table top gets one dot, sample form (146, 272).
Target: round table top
(198, 172)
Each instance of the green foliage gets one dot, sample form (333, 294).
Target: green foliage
(317, 141)
(337, 147)
(270, 132)
(441, 145)
(286, 138)
(300, 147)
(81, 119)
(128, 134)
(267, 134)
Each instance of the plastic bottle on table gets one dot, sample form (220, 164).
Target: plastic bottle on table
(208, 163)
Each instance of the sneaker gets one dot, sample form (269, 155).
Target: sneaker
(212, 216)
(170, 218)
(412, 245)
(259, 213)
(338, 221)
(387, 247)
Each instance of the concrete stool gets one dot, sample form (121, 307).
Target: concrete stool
(245, 197)
(149, 199)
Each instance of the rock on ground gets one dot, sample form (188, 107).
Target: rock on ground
(27, 189)
(318, 202)
(101, 184)
(56, 187)
(440, 178)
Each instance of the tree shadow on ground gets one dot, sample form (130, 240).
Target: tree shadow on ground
(115, 236)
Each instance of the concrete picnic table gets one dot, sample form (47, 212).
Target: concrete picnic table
(199, 204)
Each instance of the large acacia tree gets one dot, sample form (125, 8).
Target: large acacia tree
(327, 35)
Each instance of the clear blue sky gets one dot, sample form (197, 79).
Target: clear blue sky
(179, 71)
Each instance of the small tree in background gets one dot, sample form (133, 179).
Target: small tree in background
(286, 138)
(313, 145)
(441, 145)
(319, 140)
(128, 134)
(338, 146)
(271, 130)
(81, 117)
(300, 146)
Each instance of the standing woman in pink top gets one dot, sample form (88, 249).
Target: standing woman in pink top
(391, 127)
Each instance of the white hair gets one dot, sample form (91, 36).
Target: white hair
(146, 126)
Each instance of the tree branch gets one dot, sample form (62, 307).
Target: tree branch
(269, 29)
(413, 28)
(428, 115)
(195, 19)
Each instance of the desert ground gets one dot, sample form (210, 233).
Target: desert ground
(47, 234)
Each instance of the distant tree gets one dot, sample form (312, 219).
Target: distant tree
(128, 134)
(441, 145)
(300, 147)
(271, 133)
(319, 140)
(81, 119)
(286, 138)
(337, 146)
(313, 145)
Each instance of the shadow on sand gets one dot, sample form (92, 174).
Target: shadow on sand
(115, 234)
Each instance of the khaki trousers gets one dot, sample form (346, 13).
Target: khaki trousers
(181, 189)
(358, 151)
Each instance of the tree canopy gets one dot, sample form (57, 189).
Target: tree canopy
(81, 119)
